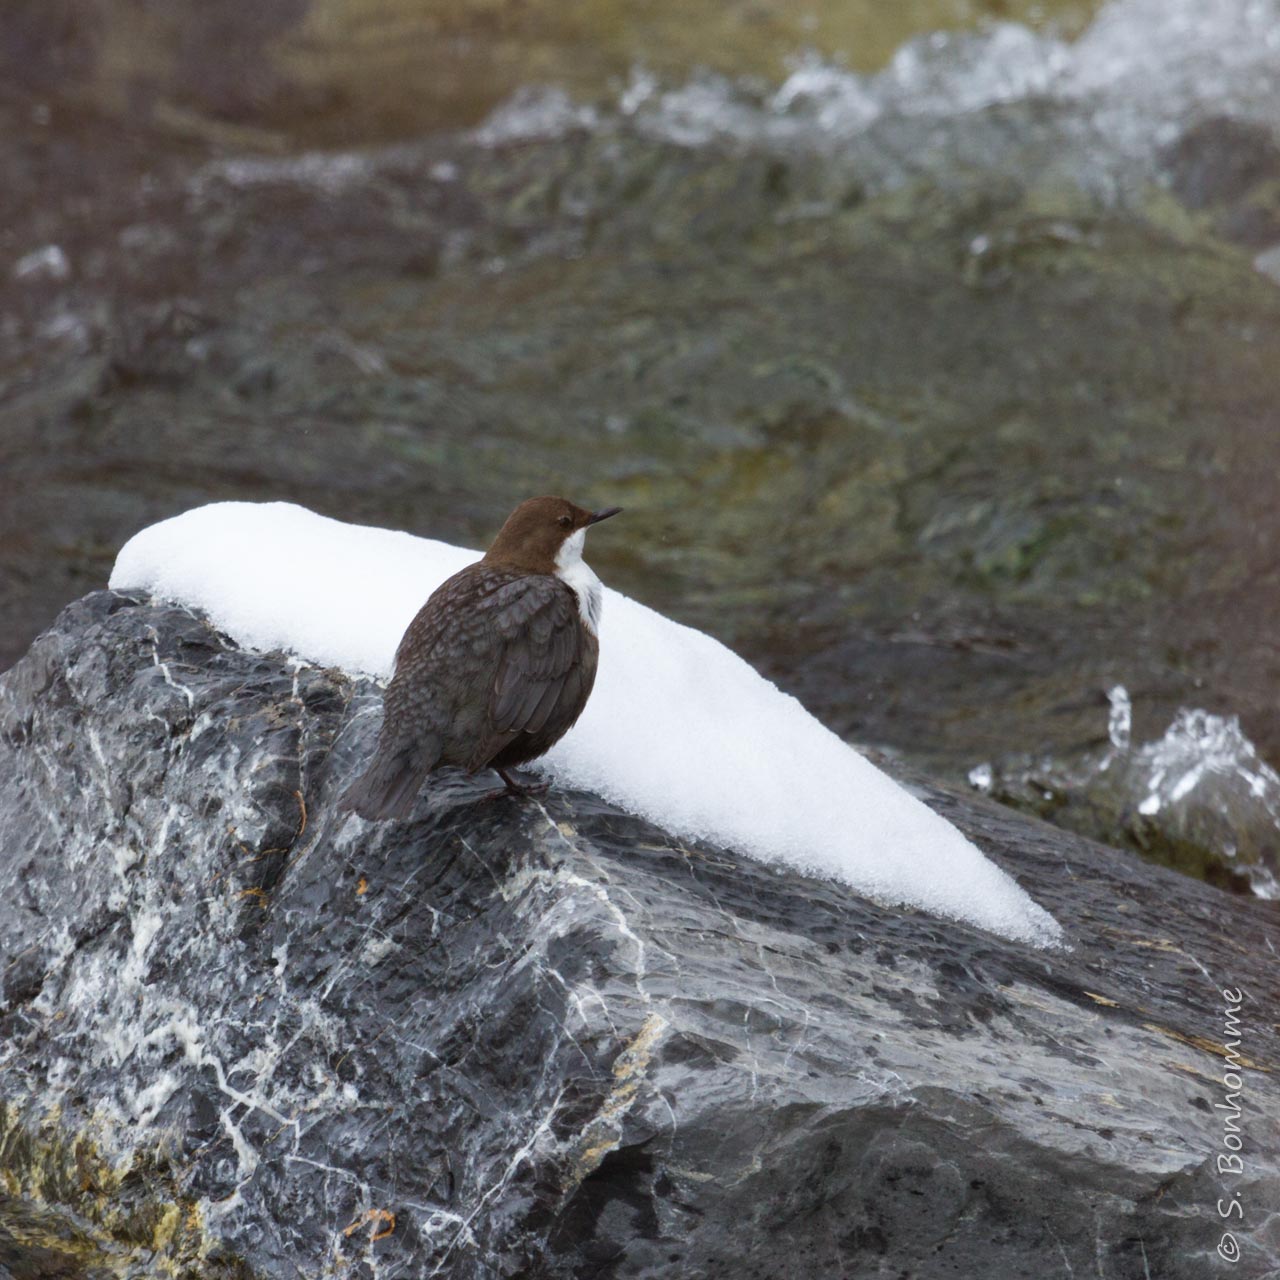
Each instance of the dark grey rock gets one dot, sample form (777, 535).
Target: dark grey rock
(1231, 168)
(240, 1036)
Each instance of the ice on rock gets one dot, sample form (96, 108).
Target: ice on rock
(678, 730)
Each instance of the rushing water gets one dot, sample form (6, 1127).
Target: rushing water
(1199, 794)
(1107, 102)
(941, 382)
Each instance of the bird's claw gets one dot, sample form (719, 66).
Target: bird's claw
(522, 788)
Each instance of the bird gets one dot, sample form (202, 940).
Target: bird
(496, 667)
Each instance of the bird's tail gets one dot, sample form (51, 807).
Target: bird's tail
(390, 785)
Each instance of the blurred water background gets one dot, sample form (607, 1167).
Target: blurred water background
(932, 347)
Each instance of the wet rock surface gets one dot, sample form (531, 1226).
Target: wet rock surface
(240, 1037)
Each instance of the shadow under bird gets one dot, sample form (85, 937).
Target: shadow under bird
(496, 666)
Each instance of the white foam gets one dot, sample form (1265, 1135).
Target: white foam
(679, 729)
(1106, 102)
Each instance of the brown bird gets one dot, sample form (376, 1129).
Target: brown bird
(497, 665)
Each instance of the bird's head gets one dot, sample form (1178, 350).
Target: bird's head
(545, 534)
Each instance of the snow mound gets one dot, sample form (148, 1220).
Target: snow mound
(678, 730)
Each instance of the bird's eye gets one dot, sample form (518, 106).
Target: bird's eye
(566, 522)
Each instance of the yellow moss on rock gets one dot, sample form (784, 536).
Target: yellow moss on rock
(68, 1198)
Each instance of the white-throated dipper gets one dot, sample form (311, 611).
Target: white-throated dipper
(496, 666)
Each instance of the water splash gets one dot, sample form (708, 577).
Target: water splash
(1120, 718)
(982, 778)
(1199, 797)
(1096, 111)
(534, 113)
(1200, 751)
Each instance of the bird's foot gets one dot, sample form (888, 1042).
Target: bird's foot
(515, 788)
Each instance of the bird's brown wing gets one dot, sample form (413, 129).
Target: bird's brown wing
(452, 632)
(447, 641)
(545, 669)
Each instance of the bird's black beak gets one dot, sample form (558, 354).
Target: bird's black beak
(597, 516)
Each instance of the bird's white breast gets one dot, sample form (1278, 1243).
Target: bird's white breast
(578, 575)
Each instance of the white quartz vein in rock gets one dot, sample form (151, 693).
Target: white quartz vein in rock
(679, 730)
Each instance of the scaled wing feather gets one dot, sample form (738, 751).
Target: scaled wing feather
(538, 678)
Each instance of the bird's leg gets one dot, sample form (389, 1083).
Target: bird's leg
(522, 788)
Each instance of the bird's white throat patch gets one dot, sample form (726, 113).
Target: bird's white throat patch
(577, 574)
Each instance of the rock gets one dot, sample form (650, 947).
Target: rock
(240, 1036)
(1232, 169)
